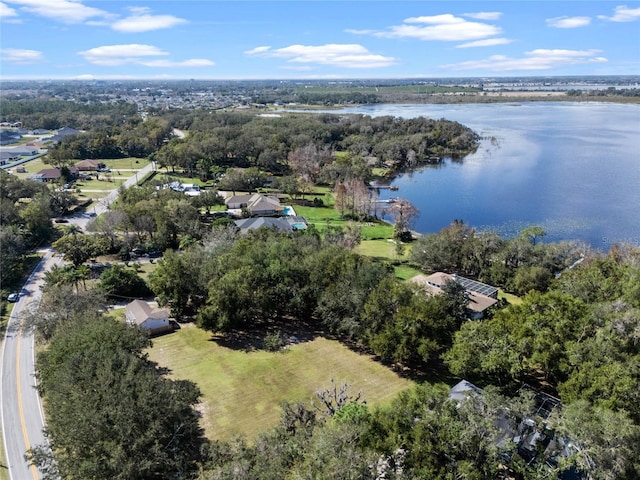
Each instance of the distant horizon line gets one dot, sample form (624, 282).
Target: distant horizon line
(316, 79)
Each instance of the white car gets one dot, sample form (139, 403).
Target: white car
(13, 297)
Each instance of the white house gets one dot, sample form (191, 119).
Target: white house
(153, 320)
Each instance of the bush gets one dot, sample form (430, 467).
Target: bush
(273, 341)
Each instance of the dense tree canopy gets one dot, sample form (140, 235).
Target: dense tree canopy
(110, 414)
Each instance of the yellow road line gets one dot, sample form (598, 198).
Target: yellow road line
(23, 424)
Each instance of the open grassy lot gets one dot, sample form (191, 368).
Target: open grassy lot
(102, 184)
(324, 217)
(126, 163)
(384, 249)
(242, 390)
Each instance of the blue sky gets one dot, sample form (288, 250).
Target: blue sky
(206, 39)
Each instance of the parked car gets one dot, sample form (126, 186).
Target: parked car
(13, 297)
(61, 220)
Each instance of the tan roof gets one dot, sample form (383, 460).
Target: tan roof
(87, 164)
(477, 301)
(439, 278)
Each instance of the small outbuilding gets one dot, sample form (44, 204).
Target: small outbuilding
(153, 320)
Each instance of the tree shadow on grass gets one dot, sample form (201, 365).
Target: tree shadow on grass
(252, 340)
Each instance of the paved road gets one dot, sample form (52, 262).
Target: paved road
(82, 219)
(22, 419)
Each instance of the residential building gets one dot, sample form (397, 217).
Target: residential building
(284, 224)
(480, 295)
(256, 204)
(153, 320)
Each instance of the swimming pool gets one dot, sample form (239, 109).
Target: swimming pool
(288, 211)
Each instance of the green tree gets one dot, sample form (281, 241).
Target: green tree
(119, 281)
(608, 442)
(110, 414)
(171, 283)
(78, 248)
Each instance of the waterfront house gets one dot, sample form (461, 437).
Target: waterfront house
(480, 296)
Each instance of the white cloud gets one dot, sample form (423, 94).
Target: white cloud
(337, 55)
(120, 54)
(7, 11)
(193, 62)
(360, 32)
(257, 50)
(622, 13)
(66, 11)
(20, 56)
(489, 42)
(540, 59)
(568, 22)
(143, 21)
(447, 27)
(115, 55)
(484, 15)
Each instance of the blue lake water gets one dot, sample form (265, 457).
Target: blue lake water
(572, 168)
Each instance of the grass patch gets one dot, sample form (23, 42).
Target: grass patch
(384, 249)
(405, 272)
(242, 391)
(325, 217)
(376, 230)
(126, 163)
(105, 185)
(32, 167)
(4, 470)
(509, 297)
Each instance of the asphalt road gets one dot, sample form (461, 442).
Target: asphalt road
(20, 407)
(22, 418)
(83, 219)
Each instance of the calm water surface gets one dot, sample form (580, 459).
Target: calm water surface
(572, 168)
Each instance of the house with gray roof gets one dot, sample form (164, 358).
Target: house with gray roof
(8, 137)
(283, 224)
(256, 204)
(153, 320)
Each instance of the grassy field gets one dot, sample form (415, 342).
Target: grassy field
(242, 390)
(126, 163)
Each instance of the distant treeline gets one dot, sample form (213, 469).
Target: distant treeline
(53, 114)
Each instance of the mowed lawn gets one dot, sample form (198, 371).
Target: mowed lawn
(242, 390)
